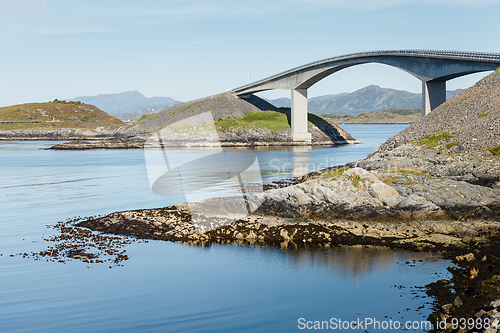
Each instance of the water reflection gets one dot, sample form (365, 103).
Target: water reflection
(299, 161)
(345, 261)
(355, 261)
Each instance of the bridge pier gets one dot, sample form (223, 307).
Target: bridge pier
(299, 115)
(433, 95)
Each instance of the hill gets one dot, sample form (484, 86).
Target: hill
(459, 140)
(370, 98)
(241, 121)
(389, 116)
(222, 106)
(471, 119)
(131, 104)
(55, 115)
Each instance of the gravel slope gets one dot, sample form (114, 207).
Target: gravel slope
(472, 117)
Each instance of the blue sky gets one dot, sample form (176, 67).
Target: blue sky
(194, 48)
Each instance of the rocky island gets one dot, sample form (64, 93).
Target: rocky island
(240, 122)
(56, 120)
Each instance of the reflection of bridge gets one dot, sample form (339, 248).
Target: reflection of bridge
(433, 68)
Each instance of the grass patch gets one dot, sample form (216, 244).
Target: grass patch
(452, 144)
(389, 115)
(387, 179)
(331, 175)
(271, 120)
(356, 179)
(405, 172)
(143, 118)
(494, 150)
(432, 141)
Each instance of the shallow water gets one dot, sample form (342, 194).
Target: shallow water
(177, 288)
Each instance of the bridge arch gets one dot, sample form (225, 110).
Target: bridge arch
(433, 68)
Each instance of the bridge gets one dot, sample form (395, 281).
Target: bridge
(431, 67)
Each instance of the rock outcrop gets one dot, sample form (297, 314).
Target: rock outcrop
(381, 207)
(109, 143)
(57, 135)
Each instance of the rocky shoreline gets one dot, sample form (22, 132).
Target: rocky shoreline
(403, 209)
(435, 186)
(394, 207)
(248, 137)
(57, 135)
(138, 143)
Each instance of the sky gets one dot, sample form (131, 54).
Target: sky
(194, 48)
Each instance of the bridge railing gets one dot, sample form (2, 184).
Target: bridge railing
(456, 55)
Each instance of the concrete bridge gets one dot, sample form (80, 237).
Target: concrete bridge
(433, 68)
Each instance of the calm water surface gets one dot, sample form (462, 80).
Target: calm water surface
(168, 287)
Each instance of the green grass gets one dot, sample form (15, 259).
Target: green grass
(356, 179)
(494, 150)
(432, 141)
(405, 172)
(388, 115)
(143, 118)
(387, 179)
(483, 115)
(271, 120)
(331, 175)
(452, 144)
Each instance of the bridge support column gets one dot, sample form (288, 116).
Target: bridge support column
(299, 115)
(433, 95)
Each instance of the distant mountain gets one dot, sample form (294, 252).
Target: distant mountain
(138, 111)
(370, 98)
(127, 103)
(452, 93)
(280, 102)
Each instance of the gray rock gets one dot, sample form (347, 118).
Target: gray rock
(447, 308)
(384, 193)
(480, 313)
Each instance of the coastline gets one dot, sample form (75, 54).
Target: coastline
(137, 143)
(350, 206)
(377, 123)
